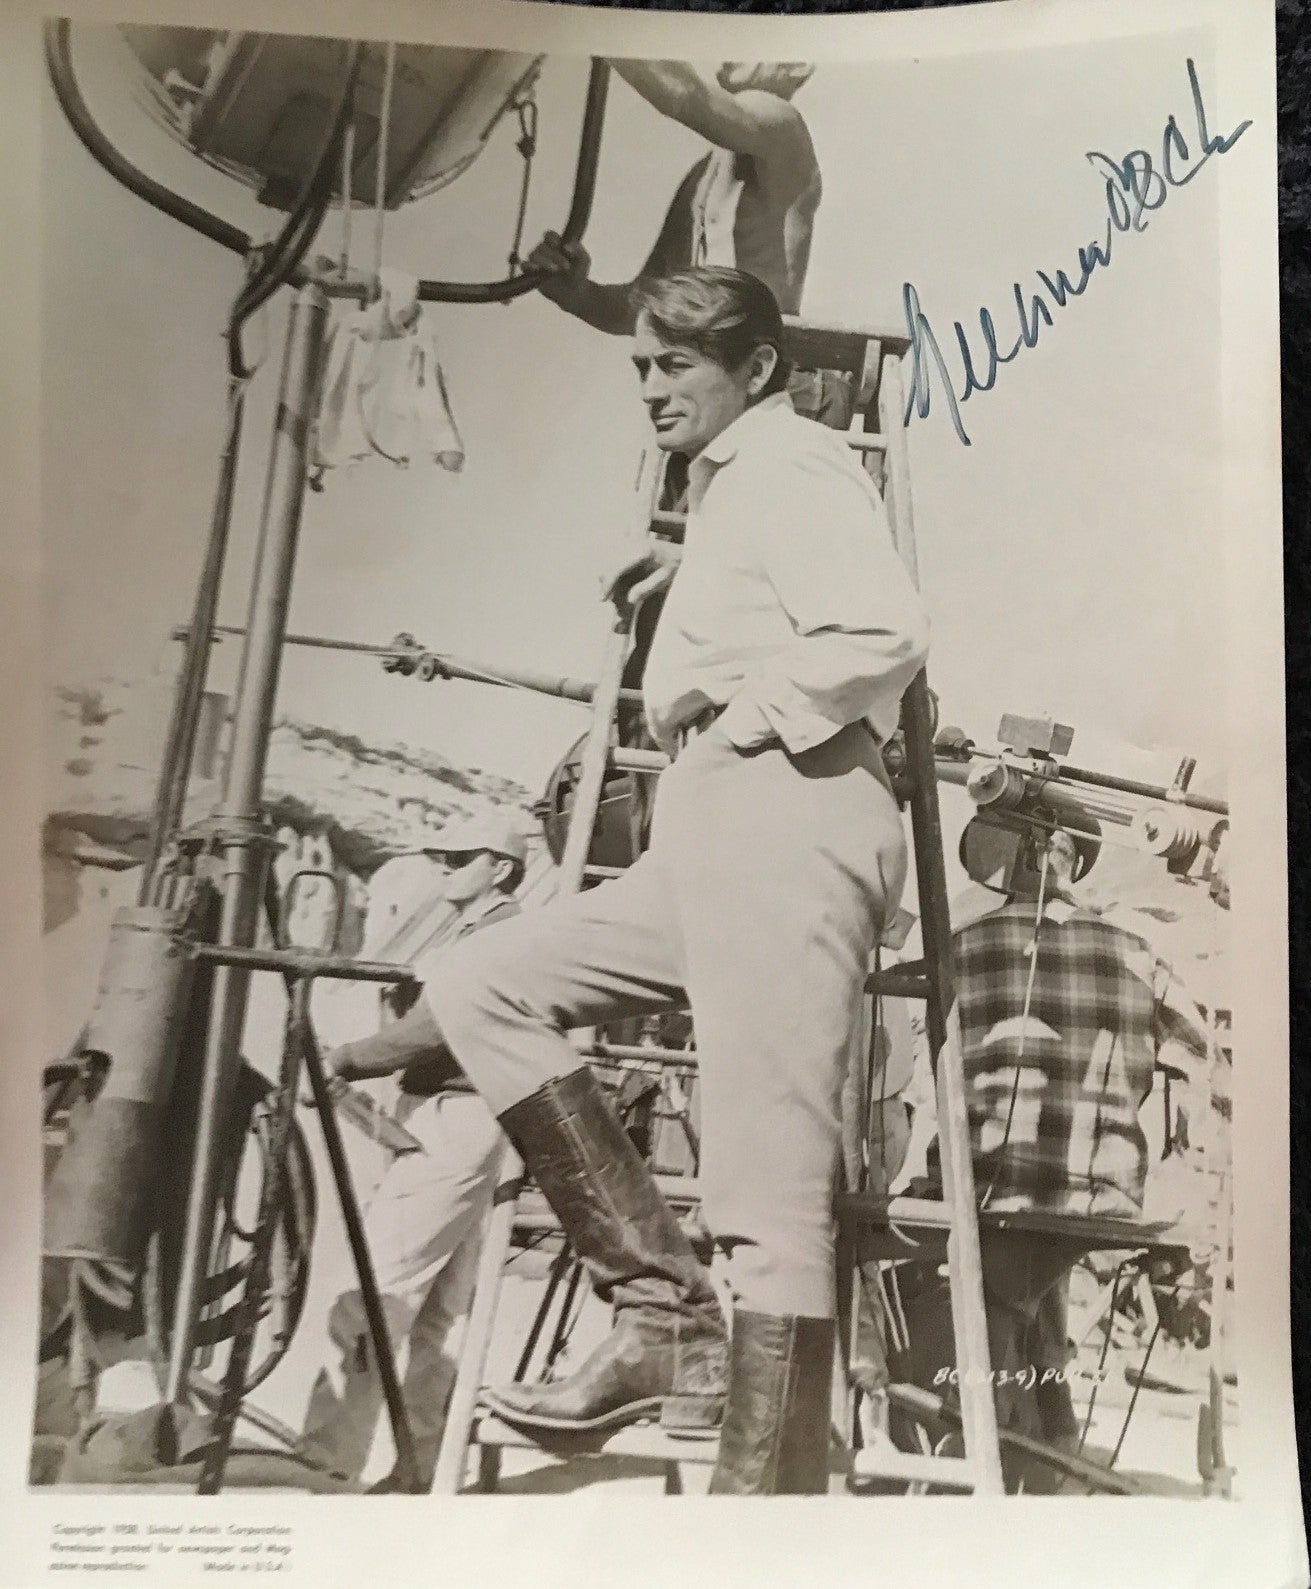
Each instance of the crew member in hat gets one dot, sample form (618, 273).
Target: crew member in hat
(424, 1220)
(1066, 1022)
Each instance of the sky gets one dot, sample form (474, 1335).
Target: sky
(1069, 557)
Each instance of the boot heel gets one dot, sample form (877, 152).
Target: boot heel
(694, 1417)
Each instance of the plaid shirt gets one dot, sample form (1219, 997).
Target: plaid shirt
(1104, 1014)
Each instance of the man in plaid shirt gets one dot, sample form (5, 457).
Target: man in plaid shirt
(1055, 1080)
(1066, 1019)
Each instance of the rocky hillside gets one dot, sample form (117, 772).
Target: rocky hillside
(367, 801)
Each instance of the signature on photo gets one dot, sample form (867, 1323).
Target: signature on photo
(1136, 185)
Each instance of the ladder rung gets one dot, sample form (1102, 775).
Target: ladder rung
(648, 1442)
(957, 1473)
(664, 519)
(601, 873)
(1097, 1230)
(627, 759)
(641, 1053)
(682, 1191)
(925, 1405)
(644, 1440)
(816, 345)
(866, 440)
(899, 984)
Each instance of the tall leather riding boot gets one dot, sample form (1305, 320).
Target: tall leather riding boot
(776, 1428)
(668, 1353)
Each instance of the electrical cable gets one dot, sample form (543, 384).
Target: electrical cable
(280, 262)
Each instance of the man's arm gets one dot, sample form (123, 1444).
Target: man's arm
(861, 633)
(607, 306)
(414, 1038)
(752, 122)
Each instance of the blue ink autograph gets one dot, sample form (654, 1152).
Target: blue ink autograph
(1134, 188)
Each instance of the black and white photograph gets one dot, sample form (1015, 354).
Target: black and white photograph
(641, 686)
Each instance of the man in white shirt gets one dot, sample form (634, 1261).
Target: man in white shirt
(790, 631)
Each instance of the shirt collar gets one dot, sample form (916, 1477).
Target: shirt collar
(478, 908)
(725, 445)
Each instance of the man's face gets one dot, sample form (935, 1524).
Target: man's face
(1062, 856)
(473, 872)
(689, 397)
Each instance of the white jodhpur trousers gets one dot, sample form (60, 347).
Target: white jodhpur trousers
(759, 902)
(423, 1226)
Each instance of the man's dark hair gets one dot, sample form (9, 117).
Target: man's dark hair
(724, 314)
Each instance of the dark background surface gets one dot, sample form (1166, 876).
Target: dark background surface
(1294, 49)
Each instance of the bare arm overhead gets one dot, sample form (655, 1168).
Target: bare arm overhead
(752, 122)
(760, 126)
(605, 305)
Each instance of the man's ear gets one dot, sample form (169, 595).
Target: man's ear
(504, 870)
(764, 361)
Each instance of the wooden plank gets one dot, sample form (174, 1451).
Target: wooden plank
(871, 373)
(897, 983)
(816, 345)
(929, 1408)
(952, 1473)
(896, 490)
(456, 1435)
(626, 759)
(1098, 1230)
(644, 1441)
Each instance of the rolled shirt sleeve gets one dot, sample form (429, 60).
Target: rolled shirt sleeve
(860, 633)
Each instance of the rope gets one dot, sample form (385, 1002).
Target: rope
(347, 198)
(380, 167)
(526, 144)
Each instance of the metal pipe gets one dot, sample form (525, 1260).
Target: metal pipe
(383, 1354)
(175, 769)
(641, 1053)
(560, 685)
(257, 1270)
(594, 761)
(1148, 791)
(305, 962)
(951, 769)
(558, 1266)
(242, 837)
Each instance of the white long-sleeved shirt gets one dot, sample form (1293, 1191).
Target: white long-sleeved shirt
(791, 606)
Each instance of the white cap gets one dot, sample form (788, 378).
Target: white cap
(489, 830)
